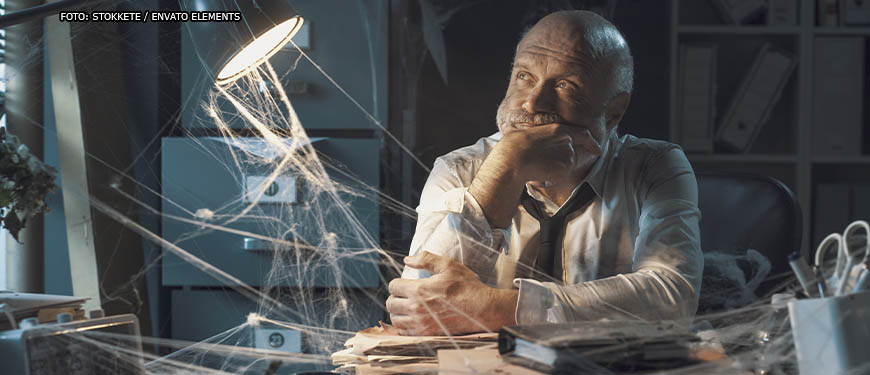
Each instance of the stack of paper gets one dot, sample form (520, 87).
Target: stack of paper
(381, 350)
(478, 361)
(45, 307)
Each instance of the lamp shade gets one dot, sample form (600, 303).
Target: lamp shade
(231, 49)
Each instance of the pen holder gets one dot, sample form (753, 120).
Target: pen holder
(831, 334)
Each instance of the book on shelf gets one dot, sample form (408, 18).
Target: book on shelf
(838, 96)
(826, 13)
(782, 12)
(854, 12)
(759, 91)
(736, 12)
(696, 100)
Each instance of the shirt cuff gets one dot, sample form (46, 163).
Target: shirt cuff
(537, 303)
(473, 211)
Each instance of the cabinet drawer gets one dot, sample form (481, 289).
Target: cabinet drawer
(208, 181)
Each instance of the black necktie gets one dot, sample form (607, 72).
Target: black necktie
(552, 227)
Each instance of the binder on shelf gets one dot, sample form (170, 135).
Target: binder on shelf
(759, 91)
(697, 97)
(855, 12)
(826, 13)
(782, 12)
(737, 12)
(838, 90)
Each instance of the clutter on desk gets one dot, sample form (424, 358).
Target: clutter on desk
(382, 350)
(830, 327)
(478, 361)
(15, 307)
(599, 346)
(49, 334)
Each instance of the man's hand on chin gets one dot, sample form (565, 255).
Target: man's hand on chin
(452, 301)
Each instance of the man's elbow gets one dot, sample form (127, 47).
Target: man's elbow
(681, 294)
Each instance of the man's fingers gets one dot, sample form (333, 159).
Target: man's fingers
(404, 306)
(427, 261)
(406, 325)
(403, 287)
(394, 305)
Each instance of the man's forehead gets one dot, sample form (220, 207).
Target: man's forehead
(535, 56)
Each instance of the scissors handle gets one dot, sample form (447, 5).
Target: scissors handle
(849, 235)
(833, 240)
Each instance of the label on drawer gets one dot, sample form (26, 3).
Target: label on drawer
(280, 190)
(285, 340)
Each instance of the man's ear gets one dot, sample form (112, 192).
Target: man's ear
(616, 107)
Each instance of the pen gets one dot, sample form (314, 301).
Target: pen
(802, 271)
(820, 281)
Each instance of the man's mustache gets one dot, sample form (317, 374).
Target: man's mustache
(537, 118)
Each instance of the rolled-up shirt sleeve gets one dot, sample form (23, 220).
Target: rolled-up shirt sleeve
(451, 223)
(667, 265)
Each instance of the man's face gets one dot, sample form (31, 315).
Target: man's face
(553, 81)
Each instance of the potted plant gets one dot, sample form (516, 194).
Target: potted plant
(25, 183)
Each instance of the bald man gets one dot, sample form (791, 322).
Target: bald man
(555, 218)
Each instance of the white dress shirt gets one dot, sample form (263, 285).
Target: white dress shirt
(632, 253)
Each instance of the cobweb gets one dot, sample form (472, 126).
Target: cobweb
(322, 241)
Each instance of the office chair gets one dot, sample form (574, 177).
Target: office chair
(740, 212)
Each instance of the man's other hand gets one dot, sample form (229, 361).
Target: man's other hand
(452, 301)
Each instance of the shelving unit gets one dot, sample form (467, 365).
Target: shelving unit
(788, 150)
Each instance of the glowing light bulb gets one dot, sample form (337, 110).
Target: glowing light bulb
(259, 50)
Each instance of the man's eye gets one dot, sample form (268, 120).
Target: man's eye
(522, 76)
(564, 85)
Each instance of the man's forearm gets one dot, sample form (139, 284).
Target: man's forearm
(497, 188)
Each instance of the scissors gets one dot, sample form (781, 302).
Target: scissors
(854, 253)
(833, 241)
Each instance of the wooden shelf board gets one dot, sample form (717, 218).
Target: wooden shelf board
(742, 158)
(842, 30)
(739, 30)
(864, 159)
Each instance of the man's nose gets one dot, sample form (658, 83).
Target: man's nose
(539, 99)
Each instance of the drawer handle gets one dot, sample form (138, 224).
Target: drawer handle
(259, 244)
(256, 244)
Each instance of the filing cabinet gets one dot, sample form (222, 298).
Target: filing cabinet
(215, 178)
(210, 180)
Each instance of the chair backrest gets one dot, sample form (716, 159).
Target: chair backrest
(744, 211)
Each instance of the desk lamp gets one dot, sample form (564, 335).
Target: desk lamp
(265, 27)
